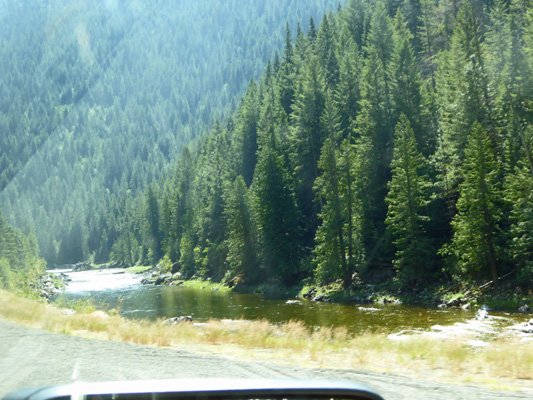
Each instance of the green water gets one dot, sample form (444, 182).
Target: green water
(138, 301)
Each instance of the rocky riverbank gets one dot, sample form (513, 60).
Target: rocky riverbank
(505, 297)
(167, 279)
(49, 284)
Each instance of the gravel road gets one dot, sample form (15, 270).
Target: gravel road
(32, 357)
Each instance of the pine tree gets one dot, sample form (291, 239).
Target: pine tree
(464, 98)
(348, 93)
(474, 249)
(519, 195)
(374, 126)
(244, 139)
(406, 84)
(307, 137)
(181, 203)
(275, 210)
(152, 234)
(287, 76)
(326, 53)
(508, 73)
(241, 259)
(339, 249)
(406, 200)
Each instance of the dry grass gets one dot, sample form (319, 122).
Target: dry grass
(292, 342)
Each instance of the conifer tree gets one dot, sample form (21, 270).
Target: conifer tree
(374, 126)
(463, 97)
(326, 53)
(406, 83)
(475, 248)
(406, 201)
(348, 93)
(241, 259)
(519, 195)
(287, 76)
(307, 137)
(274, 207)
(152, 234)
(339, 249)
(244, 139)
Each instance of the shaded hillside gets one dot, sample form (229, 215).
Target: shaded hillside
(97, 99)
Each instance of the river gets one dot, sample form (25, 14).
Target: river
(122, 291)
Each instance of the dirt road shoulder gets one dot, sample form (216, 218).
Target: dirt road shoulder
(32, 357)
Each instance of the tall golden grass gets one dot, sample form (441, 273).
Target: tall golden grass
(290, 343)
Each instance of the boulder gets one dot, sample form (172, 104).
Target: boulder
(162, 279)
(482, 314)
(524, 327)
(319, 297)
(177, 320)
(176, 267)
(524, 309)
(454, 302)
(293, 302)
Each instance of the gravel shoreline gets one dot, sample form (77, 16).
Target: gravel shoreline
(33, 357)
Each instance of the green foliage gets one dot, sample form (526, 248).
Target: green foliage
(98, 99)
(339, 251)
(376, 137)
(5, 274)
(20, 265)
(406, 201)
(274, 207)
(475, 247)
(241, 240)
(519, 194)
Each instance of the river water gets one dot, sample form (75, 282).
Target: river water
(124, 292)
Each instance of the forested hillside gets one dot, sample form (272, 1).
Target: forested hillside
(391, 142)
(97, 99)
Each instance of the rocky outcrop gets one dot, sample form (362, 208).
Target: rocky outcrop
(167, 279)
(49, 284)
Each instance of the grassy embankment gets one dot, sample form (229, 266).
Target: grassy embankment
(289, 343)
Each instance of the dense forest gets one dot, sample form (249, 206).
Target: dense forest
(97, 99)
(389, 142)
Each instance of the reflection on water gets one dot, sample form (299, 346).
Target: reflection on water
(110, 288)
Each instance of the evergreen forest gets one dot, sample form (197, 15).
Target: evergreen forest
(388, 141)
(98, 98)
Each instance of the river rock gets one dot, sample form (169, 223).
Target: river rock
(81, 266)
(524, 309)
(293, 302)
(149, 280)
(454, 302)
(177, 320)
(466, 306)
(319, 297)
(524, 327)
(176, 267)
(482, 314)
